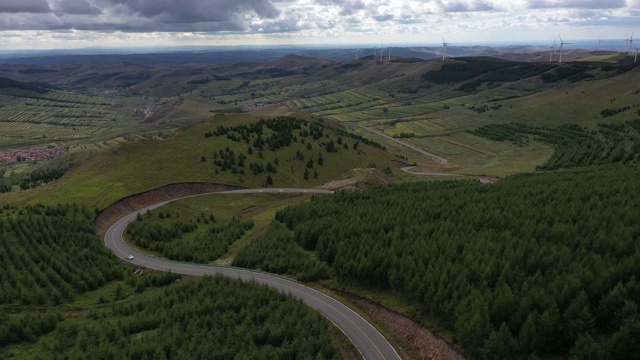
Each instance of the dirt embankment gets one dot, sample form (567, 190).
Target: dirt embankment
(424, 343)
(359, 179)
(137, 201)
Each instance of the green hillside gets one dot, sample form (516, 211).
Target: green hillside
(239, 150)
(432, 104)
(543, 264)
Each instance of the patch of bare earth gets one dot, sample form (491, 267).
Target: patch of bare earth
(274, 110)
(358, 179)
(131, 203)
(430, 168)
(486, 179)
(422, 342)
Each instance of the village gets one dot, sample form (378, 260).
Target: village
(8, 157)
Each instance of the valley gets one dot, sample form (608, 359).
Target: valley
(487, 199)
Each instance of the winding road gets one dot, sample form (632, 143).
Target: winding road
(370, 343)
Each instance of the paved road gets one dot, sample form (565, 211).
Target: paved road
(370, 343)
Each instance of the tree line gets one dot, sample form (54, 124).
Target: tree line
(575, 146)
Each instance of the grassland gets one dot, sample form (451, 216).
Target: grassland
(439, 117)
(147, 164)
(392, 97)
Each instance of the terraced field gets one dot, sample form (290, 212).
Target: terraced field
(62, 117)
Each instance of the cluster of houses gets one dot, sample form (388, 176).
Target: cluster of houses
(9, 157)
(146, 111)
(255, 106)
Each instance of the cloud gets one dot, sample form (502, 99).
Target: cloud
(576, 4)
(76, 7)
(464, 6)
(381, 18)
(347, 7)
(24, 6)
(193, 11)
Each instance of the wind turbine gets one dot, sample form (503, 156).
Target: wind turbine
(626, 44)
(562, 44)
(445, 45)
(553, 50)
(357, 53)
(631, 44)
(636, 57)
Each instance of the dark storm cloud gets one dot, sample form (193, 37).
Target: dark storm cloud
(76, 7)
(136, 15)
(193, 11)
(577, 4)
(24, 6)
(464, 6)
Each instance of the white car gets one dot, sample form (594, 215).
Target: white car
(129, 257)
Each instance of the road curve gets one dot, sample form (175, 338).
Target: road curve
(370, 343)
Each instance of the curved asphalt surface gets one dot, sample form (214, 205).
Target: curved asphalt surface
(370, 343)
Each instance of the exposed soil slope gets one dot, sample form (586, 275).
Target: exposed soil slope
(137, 201)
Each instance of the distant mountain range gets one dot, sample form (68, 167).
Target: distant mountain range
(217, 55)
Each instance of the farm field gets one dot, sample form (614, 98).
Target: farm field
(66, 118)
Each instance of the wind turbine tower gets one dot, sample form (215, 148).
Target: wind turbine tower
(631, 44)
(562, 44)
(553, 50)
(445, 45)
(626, 44)
(635, 58)
(357, 50)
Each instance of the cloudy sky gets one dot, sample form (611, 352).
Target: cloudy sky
(46, 24)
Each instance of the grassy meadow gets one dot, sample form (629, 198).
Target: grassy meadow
(147, 164)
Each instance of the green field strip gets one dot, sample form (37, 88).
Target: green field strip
(352, 108)
(429, 126)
